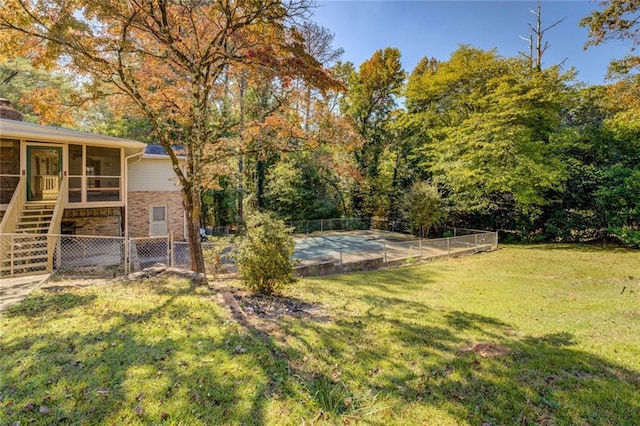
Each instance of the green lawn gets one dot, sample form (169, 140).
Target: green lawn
(523, 335)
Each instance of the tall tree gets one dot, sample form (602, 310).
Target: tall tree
(318, 42)
(169, 59)
(372, 98)
(537, 45)
(617, 20)
(44, 96)
(489, 132)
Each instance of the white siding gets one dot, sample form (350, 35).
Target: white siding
(152, 174)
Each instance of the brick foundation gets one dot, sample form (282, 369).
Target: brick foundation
(98, 222)
(140, 203)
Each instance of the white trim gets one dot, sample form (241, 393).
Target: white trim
(34, 132)
(163, 156)
(126, 189)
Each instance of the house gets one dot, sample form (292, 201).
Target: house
(58, 181)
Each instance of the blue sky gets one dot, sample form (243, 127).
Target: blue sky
(437, 28)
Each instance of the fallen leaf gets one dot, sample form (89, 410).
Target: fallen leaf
(140, 396)
(138, 410)
(44, 409)
(103, 391)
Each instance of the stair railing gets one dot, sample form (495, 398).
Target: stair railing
(11, 216)
(53, 233)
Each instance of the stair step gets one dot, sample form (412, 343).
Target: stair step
(29, 240)
(27, 258)
(38, 210)
(44, 213)
(34, 222)
(30, 206)
(27, 254)
(33, 225)
(32, 230)
(35, 216)
(27, 268)
(34, 251)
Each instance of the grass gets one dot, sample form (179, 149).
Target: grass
(523, 335)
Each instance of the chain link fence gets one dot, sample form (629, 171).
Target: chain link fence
(363, 248)
(367, 250)
(325, 225)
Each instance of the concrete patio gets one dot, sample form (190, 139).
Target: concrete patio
(13, 290)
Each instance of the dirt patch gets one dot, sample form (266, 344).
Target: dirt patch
(488, 350)
(266, 313)
(271, 307)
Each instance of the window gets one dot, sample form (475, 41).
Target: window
(102, 170)
(75, 173)
(159, 214)
(9, 168)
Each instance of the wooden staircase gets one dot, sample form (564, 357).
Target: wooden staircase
(26, 252)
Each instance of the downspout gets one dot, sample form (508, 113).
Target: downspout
(126, 189)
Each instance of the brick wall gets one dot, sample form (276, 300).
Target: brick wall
(99, 221)
(140, 203)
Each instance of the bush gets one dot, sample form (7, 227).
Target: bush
(264, 256)
(218, 254)
(423, 207)
(627, 236)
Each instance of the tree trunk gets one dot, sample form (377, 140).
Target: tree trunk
(260, 181)
(193, 207)
(243, 83)
(395, 184)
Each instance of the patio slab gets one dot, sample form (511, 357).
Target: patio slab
(13, 290)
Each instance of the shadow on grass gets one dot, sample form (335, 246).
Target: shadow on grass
(178, 359)
(474, 368)
(49, 303)
(173, 362)
(578, 247)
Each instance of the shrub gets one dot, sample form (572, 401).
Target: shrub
(627, 236)
(424, 207)
(264, 255)
(218, 252)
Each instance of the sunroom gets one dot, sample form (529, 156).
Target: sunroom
(64, 169)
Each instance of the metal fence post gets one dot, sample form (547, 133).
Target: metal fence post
(420, 245)
(58, 252)
(11, 240)
(321, 225)
(476, 238)
(448, 246)
(127, 248)
(341, 257)
(169, 250)
(172, 259)
(384, 259)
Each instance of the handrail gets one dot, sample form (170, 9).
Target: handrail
(12, 214)
(56, 223)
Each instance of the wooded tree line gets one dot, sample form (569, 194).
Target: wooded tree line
(273, 119)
